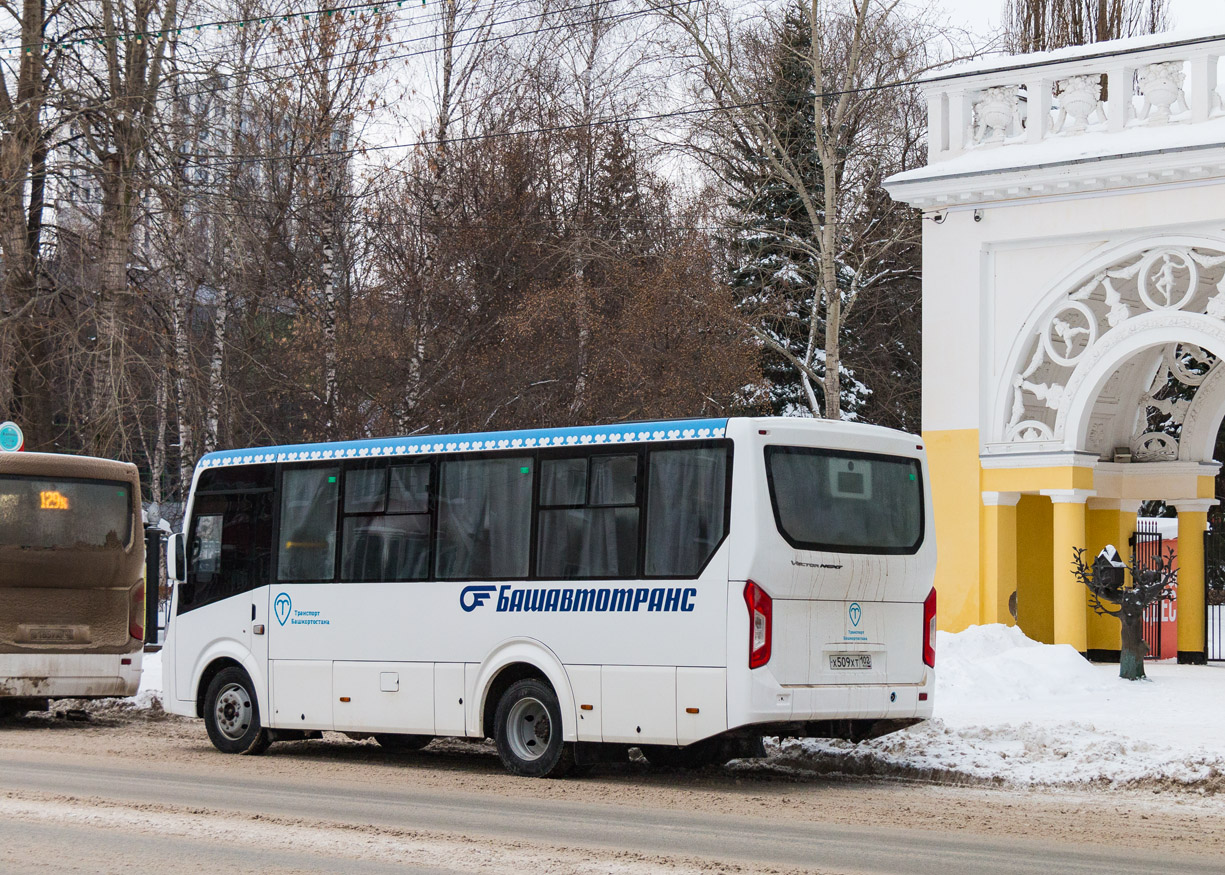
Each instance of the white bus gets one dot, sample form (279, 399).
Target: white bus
(682, 587)
(72, 590)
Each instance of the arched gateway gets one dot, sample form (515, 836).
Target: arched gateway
(1074, 322)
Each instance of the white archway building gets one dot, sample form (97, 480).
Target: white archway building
(1074, 321)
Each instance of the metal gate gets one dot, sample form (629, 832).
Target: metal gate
(1214, 579)
(1146, 547)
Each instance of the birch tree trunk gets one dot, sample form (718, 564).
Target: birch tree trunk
(216, 384)
(183, 368)
(329, 342)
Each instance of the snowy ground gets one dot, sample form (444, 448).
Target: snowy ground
(1012, 711)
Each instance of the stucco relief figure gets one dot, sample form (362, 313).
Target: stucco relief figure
(1067, 332)
(1165, 280)
(1119, 311)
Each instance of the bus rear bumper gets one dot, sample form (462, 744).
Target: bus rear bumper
(69, 676)
(771, 702)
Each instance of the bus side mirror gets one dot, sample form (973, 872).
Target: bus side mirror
(176, 562)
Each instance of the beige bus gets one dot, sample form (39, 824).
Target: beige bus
(72, 590)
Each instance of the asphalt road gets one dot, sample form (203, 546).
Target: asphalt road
(146, 815)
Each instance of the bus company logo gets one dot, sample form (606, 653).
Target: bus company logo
(854, 612)
(283, 606)
(515, 599)
(474, 596)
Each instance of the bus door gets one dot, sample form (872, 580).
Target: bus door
(229, 558)
(300, 648)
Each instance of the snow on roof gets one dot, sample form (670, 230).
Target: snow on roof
(1183, 36)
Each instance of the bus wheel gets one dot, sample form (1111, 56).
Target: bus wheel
(527, 729)
(402, 742)
(231, 714)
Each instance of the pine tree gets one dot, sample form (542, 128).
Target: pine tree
(769, 272)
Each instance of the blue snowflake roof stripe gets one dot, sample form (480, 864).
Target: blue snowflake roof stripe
(592, 435)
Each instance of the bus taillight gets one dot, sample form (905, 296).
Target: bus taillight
(761, 611)
(929, 630)
(136, 612)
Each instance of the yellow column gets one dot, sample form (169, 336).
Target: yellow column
(998, 552)
(1069, 596)
(1192, 523)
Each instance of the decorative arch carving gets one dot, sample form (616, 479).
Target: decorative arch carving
(1167, 300)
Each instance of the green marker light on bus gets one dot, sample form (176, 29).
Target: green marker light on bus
(525, 470)
(331, 480)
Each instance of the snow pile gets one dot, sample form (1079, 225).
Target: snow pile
(998, 663)
(1011, 710)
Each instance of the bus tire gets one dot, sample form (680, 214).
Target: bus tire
(231, 714)
(400, 742)
(528, 731)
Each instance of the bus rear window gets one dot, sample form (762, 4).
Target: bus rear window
(846, 502)
(43, 514)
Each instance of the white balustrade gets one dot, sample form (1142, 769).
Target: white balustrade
(1097, 88)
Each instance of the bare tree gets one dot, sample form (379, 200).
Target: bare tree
(1042, 25)
(26, 134)
(119, 81)
(858, 54)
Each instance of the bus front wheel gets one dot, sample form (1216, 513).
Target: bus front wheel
(528, 731)
(231, 714)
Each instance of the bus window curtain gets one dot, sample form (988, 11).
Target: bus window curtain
(685, 510)
(484, 519)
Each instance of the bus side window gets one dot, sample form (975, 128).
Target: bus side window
(206, 547)
(307, 542)
(230, 547)
(588, 517)
(386, 530)
(686, 509)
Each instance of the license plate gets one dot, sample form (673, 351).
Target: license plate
(48, 634)
(843, 661)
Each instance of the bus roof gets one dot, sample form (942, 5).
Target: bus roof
(617, 433)
(66, 465)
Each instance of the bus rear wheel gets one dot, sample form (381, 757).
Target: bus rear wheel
(528, 731)
(231, 714)
(402, 742)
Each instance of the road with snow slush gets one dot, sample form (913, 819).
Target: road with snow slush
(130, 792)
